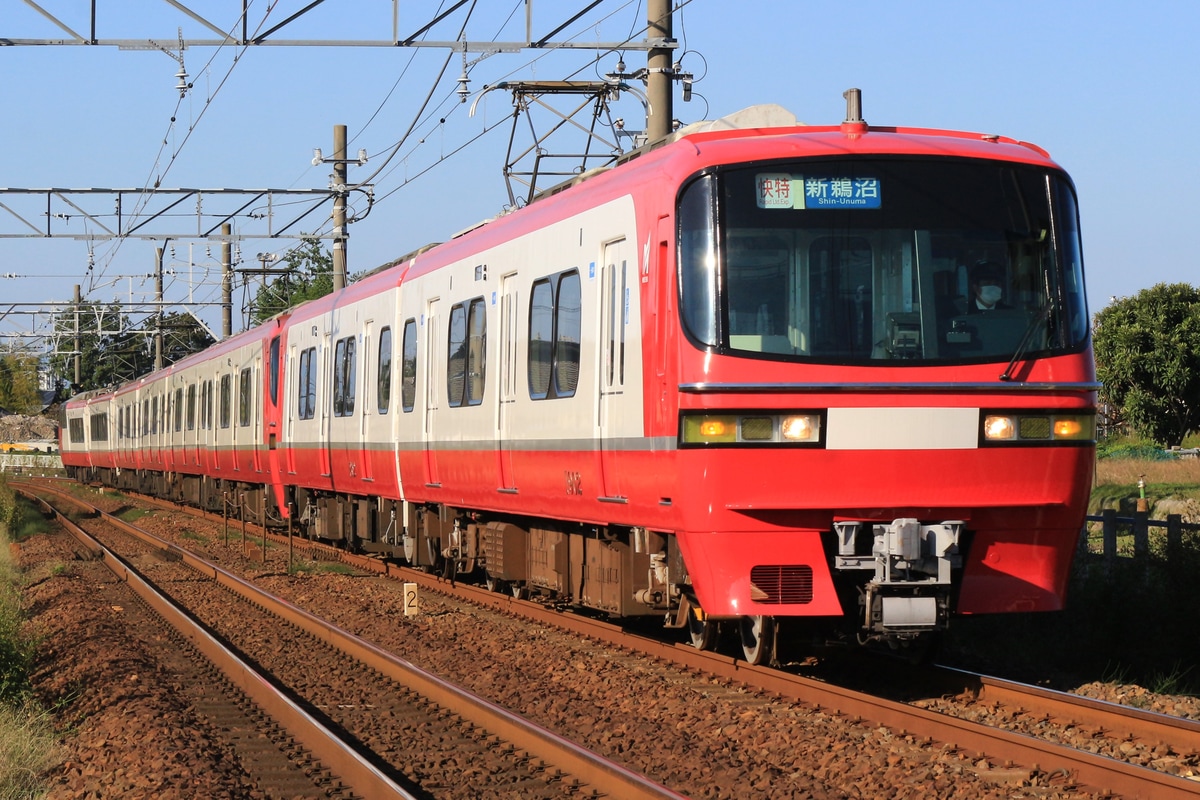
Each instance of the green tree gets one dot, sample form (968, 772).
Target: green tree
(111, 350)
(309, 276)
(1148, 358)
(182, 335)
(19, 393)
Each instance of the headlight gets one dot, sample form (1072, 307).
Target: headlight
(1031, 427)
(750, 429)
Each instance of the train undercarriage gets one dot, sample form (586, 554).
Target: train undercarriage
(894, 580)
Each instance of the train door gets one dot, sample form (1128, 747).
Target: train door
(509, 316)
(324, 411)
(614, 305)
(297, 371)
(433, 343)
(370, 368)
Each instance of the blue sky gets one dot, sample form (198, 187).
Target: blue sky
(1111, 90)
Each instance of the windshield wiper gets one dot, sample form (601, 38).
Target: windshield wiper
(1035, 323)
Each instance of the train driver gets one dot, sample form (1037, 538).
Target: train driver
(987, 288)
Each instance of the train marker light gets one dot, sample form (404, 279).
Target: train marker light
(1067, 428)
(998, 428)
(800, 428)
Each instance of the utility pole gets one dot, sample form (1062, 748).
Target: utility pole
(226, 281)
(158, 316)
(660, 70)
(78, 342)
(340, 234)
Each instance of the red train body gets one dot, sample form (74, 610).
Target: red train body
(743, 375)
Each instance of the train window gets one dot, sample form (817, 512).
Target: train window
(860, 260)
(99, 427)
(178, 410)
(541, 338)
(75, 426)
(191, 407)
(456, 359)
(408, 368)
(244, 398)
(145, 417)
(555, 306)
(568, 310)
(306, 400)
(273, 371)
(344, 377)
(226, 399)
(476, 350)
(384, 371)
(154, 414)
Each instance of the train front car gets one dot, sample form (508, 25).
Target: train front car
(886, 392)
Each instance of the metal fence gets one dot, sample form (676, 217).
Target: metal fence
(29, 464)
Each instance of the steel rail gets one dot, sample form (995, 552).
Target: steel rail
(602, 774)
(1094, 771)
(326, 747)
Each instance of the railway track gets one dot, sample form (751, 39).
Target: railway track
(326, 687)
(1012, 743)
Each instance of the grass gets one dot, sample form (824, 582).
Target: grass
(1130, 620)
(27, 737)
(335, 567)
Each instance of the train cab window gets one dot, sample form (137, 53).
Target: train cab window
(306, 385)
(555, 306)
(226, 400)
(408, 367)
(75, 428)
(384, 371)
(344, 364)
(191, 407)
(465, 357)
(862, 260)
(244, 388)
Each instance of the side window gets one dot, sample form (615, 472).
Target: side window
(541, 338)
(225, 400)
(555, 326)
(456, 357)
(408, 368)
(145, 417)
(178, 410)
(568, 309)
(99, 427)
(476, 348)
(344, 377)
(385, 370)
(191, 407)
(306, 402)
(273, 371)
(244, 385)
(76, 427)
(154, 414)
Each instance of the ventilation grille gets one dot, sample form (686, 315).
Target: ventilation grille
(781, 584)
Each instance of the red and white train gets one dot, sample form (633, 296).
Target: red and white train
(755, 372)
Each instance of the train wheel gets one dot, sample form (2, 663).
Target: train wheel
(704, 632)
(758, 638)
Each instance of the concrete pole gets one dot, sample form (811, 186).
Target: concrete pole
(226, 281)
(339, 208)
(158, 315)
(78, 341)
(660, 81)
